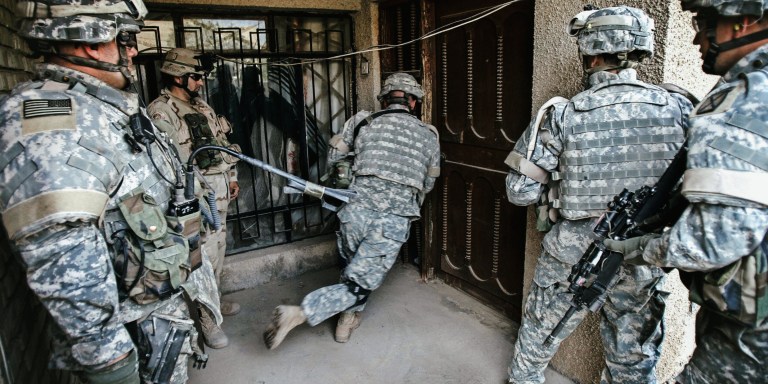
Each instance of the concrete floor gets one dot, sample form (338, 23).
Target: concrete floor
(412, 332)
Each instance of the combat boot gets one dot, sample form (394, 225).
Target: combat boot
(348, 321)
(229, 308)
(284, 318)
(213, 335)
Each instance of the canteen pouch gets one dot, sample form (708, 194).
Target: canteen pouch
(152, 260)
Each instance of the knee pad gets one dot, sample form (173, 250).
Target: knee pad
(359, 292)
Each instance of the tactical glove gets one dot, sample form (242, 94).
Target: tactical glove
(632, 248)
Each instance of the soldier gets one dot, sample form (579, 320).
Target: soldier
(618, 133)
(397, 159)
(719, 243)
(85, 200)
(191, 122)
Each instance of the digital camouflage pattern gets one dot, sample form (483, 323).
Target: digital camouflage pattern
(630, 325)
(65, 163)
(401, 82)
(616, 30)
(369, 243)
(374, 225)
(97, 21)
(635, 306)
(396, 147)
(724, 225)
(728, 7)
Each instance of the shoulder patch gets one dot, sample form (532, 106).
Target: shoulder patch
(47, 107)
(48, 115)
(717, 102)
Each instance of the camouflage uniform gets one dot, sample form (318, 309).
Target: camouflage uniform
(727, 220)
(390, 187)
(66, 164)
(168, 111)
(635, 306)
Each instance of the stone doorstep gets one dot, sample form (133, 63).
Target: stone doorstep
(261, 266)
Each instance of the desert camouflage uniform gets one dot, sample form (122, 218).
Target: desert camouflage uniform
(168, 111)
(631, 326)
(376, 223)
(65, 163)
(728, 217)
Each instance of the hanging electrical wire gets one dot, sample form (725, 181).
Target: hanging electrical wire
(382, 47)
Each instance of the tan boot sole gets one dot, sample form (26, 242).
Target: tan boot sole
(343, 338)
(282, 323)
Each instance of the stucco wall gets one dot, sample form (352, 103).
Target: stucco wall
(557, 71)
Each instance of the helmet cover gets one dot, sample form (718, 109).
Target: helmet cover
(615, 30)
(401, 82)
(727, 7)
(80, 21)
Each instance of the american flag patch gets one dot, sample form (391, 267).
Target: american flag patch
(37, 108)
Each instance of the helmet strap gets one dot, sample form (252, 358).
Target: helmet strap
(121, 66)
(715, 49)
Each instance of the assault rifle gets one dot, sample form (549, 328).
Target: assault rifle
(332, 199)
(629, 214)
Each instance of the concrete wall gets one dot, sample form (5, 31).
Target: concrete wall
(557, 71)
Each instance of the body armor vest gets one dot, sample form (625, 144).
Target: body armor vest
(732, 170)
(84, 137)
(619, 134)
(395, 148)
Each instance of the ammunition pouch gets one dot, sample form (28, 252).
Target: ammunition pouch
(738, 291)
(340, 175)
(546, 214)
(159, 340)
(152, 251)
(202, 135)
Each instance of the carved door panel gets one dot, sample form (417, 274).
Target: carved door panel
(482, 103)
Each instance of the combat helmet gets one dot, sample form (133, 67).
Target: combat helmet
(101, 21)
(727, 7)
(401, 82)
(614, 30)
(711, 10)
(182, 61)
(46, 22)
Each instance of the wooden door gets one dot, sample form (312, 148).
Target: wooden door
(482, 103)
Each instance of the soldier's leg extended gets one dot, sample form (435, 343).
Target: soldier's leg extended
(372, 258)
(547, 302)
(631, 326)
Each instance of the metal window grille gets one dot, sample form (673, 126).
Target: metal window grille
(282, 94)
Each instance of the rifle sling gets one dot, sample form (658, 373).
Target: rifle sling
(373, 116)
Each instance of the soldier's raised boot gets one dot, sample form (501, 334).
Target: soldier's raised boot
(284, 318)
(213, 335)
(229, 308)
(348, 322)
